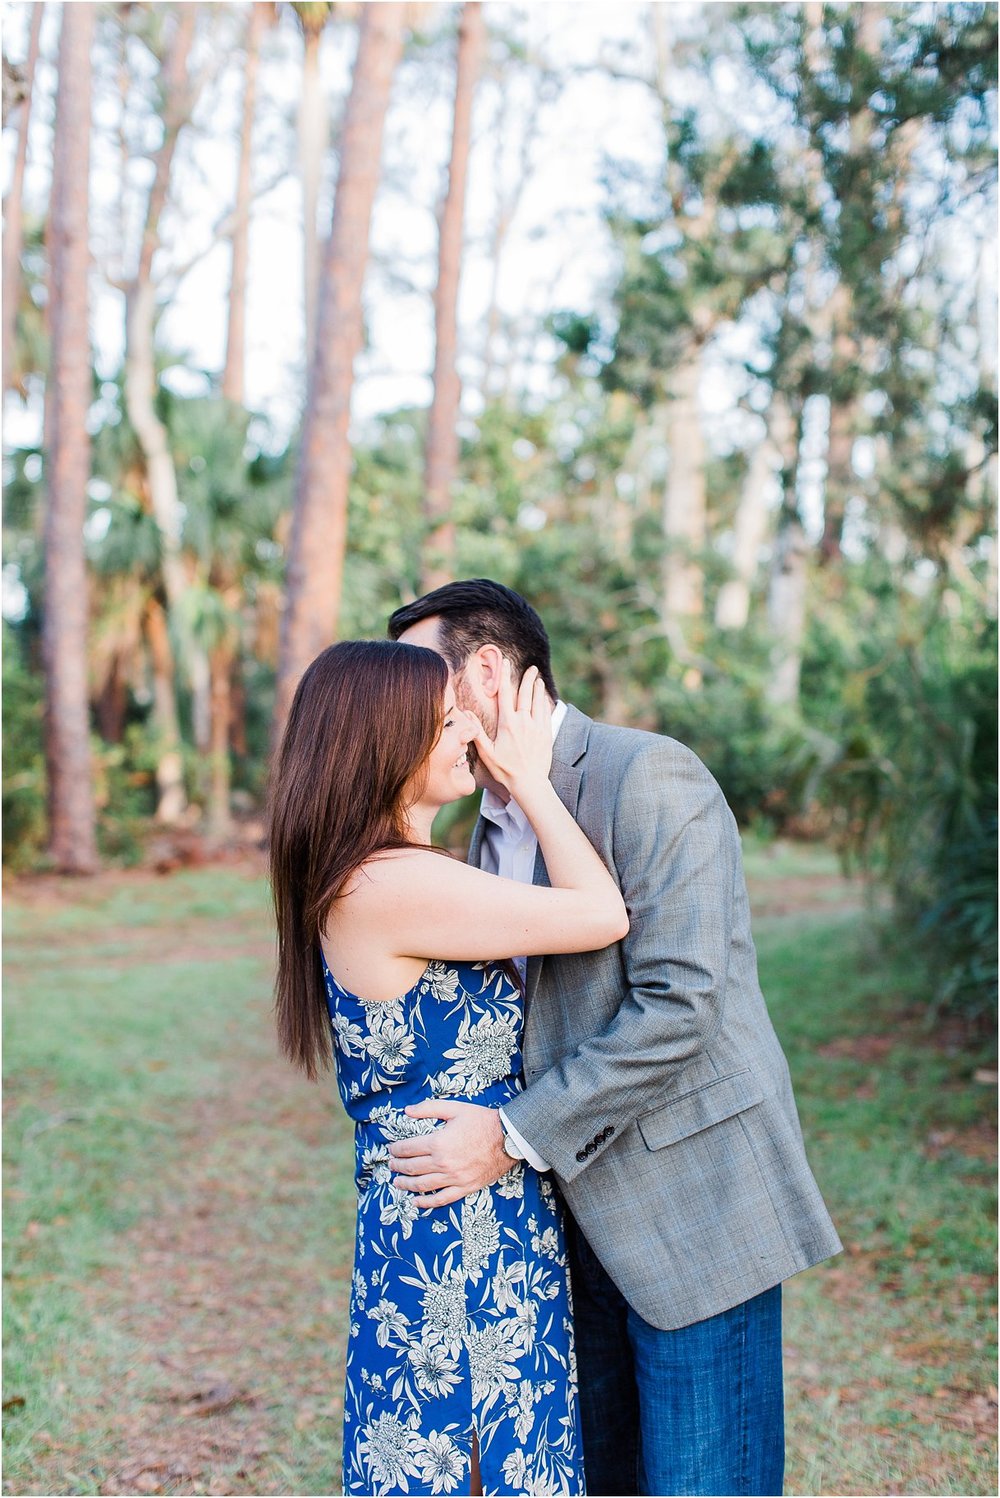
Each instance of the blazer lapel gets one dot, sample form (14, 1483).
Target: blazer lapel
(566, 774)
(476, 843)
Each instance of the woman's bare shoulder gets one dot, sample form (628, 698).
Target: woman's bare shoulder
(394, 869)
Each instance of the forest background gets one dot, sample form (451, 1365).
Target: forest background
(707, 370)
(678, 318)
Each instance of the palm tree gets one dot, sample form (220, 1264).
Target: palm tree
(72, 836)
(130, 623)
(229, 525)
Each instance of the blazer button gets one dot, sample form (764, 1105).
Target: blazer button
(581, 1155)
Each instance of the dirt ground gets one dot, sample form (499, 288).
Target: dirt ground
(226, 1340)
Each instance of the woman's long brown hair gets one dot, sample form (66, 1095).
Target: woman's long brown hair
(365, 717)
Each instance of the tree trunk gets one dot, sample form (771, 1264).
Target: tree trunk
(787, 610)
(732, 607)
(319, 521)
(140, 366)
(238, 711)
(140, 373)
(220, 822)
(685, 525)
(112, 702)
(442, 430)
(233, 374)
(13, 219)
(786, 604)
(313, 135)
(846, 352)
(171, 800)
(842, 432)
(72, 834)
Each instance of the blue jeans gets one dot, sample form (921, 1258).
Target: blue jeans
(699, 1410)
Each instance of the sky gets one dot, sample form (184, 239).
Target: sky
(558, 252)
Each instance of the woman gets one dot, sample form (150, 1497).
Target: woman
(460, 1368)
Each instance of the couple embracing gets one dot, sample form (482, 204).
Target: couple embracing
(581, 1178)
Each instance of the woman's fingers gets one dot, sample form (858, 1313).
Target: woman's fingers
(506, 696)
(526, 689)
(539, 698)
(484, 748)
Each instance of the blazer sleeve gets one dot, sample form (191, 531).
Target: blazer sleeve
(676, 851)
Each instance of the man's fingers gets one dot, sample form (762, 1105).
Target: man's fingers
(432, 1109)
(440, 1198)
(428, 1181)
(407, 1149)
(413, 1151)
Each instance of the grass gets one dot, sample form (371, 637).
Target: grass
(179, 1205)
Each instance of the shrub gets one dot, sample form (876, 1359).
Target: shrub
(24, 818)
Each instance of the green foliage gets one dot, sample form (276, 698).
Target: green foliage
(769, 763)
(24, 825)
(918, 783)
(796, 244)
(125, 786)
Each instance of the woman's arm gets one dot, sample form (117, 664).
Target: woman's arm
(423, 905)
(432, 907)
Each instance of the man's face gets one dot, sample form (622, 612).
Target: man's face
(468, 696)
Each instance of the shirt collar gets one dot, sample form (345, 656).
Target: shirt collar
(507, 813)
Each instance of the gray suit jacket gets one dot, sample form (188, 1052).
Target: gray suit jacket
(655, 1084)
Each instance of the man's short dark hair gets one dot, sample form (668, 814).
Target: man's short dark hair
(481, 612)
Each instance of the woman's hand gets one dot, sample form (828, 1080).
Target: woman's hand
(521, 753)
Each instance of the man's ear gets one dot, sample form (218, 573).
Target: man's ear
(487, 663)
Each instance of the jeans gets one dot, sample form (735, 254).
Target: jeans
(699, 1410)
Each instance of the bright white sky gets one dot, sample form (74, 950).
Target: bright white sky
(557, 254)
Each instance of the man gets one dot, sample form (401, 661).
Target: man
(655, 1089)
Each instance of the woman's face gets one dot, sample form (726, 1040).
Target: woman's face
(448, 774)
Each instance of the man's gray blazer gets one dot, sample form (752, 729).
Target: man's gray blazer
(654, 1082)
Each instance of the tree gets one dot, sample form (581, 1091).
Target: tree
(313, 134)
(711, 237)
(319, 519)
(732, 606)
(13, 227)
(72, 843)
(233, 373)
(442, 430)
(140, 393)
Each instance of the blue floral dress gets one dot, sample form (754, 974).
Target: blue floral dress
(460, 1315)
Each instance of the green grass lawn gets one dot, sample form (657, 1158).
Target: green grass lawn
(179, 1207)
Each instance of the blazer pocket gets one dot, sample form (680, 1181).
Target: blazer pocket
(693, 1111)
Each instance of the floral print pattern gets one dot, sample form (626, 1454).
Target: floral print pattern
(460, 1315)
